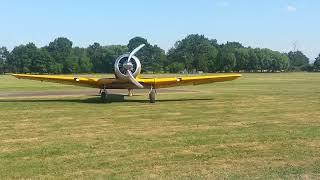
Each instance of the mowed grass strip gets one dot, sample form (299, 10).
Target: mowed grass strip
(260, 126)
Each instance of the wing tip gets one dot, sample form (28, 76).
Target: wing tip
(15, 75)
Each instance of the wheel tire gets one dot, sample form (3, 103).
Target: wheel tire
(152, 96)
(103, 96)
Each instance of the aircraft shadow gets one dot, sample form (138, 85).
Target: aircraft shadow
(112, 98)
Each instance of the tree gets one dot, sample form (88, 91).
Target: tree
(144, 54)
(152, 57)
(103, 58)
(77, 62)
(253, 60)
(157, 59)
(40, 61)
(3, 57)
(84, 64)
(60, 49)
(297, 61)
(193, 53)
(316, 64)
(233, 45)
(96, 55)
(227, 60)
(21, 57)
(242, 56)
(196, 52)
(29, 59)
(111, 54)
(70, 64)
(176, 67)
(135, 42)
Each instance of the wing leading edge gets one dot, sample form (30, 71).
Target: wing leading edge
(112, 83)
(108, 83)
(183, 81)
(88, 82)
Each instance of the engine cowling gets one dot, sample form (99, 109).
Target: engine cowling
(128, 67)
(121, 65)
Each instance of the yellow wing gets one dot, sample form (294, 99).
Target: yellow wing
(109, 83)
(112, 83)
(182, 81)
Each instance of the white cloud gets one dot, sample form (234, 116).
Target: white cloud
(291, 8)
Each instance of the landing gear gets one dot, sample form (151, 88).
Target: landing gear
(130, 92)
(152, 95)
(103, 94)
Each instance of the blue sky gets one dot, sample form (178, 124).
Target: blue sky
(274, 24)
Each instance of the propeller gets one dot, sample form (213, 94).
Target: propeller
(133, 80)
(135, 51)
(129, 66)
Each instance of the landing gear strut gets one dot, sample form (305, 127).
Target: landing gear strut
(103, 94)
(152, 95)
(130, 92)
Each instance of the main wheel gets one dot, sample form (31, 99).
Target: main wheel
(103, 96)
(152, 96)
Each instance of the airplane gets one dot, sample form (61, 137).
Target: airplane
(127, 69)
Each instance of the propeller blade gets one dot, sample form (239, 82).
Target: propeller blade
(133, 80)
(135, 51)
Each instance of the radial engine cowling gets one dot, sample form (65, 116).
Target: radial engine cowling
(128, 67)
(121, 65)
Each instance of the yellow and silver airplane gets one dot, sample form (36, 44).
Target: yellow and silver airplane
(127, 70)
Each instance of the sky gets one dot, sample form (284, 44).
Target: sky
(281, 25)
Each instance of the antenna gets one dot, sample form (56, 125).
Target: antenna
(295, 46)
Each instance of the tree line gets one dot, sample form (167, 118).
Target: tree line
(194, 53)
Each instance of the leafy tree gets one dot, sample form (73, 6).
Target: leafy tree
(242, 56)
(21, 57)
(253, 61)
(233, 45)
(227, 60)
(152, 57)
(40, 61)
(60, 49)
(3, 57)
(278, 62)
(157, 59)
(95, 53)
(103, 58)
(144, 54)
(176, 67)
(84, 64)
(29, 59)
(193, 53)
(111, 54)
(70, 64)
(316, 64)
(137, 41)
(77, 62)
(55, 68)
(297, 61)
(196, 52)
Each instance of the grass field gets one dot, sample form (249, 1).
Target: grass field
(261, 126)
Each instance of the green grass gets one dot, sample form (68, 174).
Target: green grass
(264, 126)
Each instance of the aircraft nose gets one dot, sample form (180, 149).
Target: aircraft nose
(128, 65)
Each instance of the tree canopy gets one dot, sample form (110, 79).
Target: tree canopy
(3, 57)
(298, 61)
(192, 54)
(316, 64)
